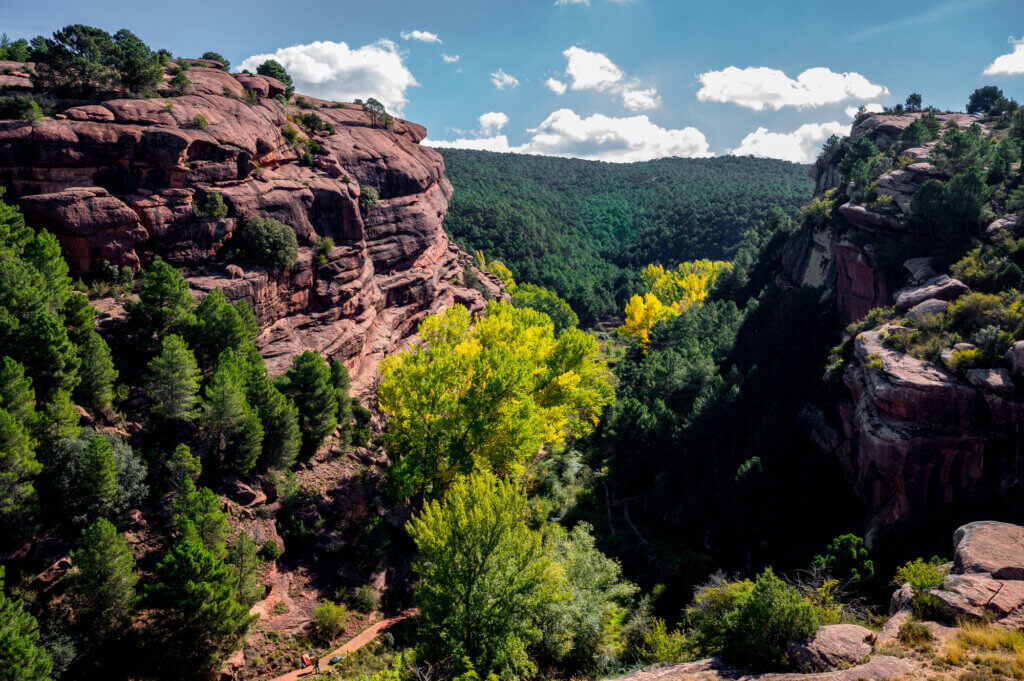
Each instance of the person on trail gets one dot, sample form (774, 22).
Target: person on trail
(316, 665)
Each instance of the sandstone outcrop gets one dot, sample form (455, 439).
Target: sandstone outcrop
(833, 647)
(120, 181)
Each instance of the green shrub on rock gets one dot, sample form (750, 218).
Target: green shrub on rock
(270, 242)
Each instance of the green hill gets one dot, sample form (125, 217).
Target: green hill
(584, 228)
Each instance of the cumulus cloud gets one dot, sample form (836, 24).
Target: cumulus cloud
(800, 146)
(1008, 64)
(450, 58)
(873, 107)
(641, 100)
(597, 137)
(760, 87)
(335, 71)
(556, 86)
(502, 80)
(591, 70)
(422, 36)
(492, 122)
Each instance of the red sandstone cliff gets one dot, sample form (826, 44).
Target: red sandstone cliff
(116, 181)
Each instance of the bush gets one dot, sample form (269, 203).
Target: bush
(329, 620)
(364, 599)
(199, 121)
(921, 576)
(914, 633)
(324, 245)
(289, 133)
(251, 96)
(368, 199)
(847, 558)
(705, 617)
(765, 621)
(664, 647)
(212, 206)
(181, 84)
(270, 242)
(270, 550)
(31, 112)
(215, 56)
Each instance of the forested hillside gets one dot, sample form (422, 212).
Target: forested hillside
(586, 228)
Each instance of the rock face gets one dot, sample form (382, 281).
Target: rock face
(119, 181)
(834, 646)
(986, 581)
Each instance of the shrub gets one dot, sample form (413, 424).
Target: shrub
(962, 360)
(364, 599)
(921, 576)
(329, 620)
(31, 112)
(199, 121)
(212, 206)
(765, 621)
(368, 199)
(306, 159)
(251, 96)
(215, 56)
(270, 242)
(274, 69)
(270, 550)
(324, 246)
(914, 633)
(181, 84)
(705, 617)
(289, 133)
(847, 558)
(662, 646)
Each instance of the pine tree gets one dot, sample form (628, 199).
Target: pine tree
(199, 508)
(164, 305)
(183, 465)
(44, 254)
(102, 588)
(196, 591)
(227, 415)
(173, 382)
(58, 419)
(308, 384)
(22, 657)
(50, 356)
(342, 383)
(18, 467)
(98, 486)
(244, 563)
(97, 374)
(16, 393)
(279, 416)
(219, 327)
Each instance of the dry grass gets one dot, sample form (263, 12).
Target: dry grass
(986, 652)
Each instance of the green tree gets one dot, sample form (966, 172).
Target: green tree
(16, 394)
(914, 101)
(487, 395)
(98, 486)
(375, 109)
(18, 468)
(270, 242)
(219, 327)
(279, 416)
(183, 465)
(59, 419)
(50, 356)
(76, 61)
(216, 56)
(244, 564)
(914, 135)
(274, 69)
(369, 197)
(173, 382)
(22, 656)
(982, 99)
(847, 558)
(164, 305)
(486, 577)
(181, 84)
(765, 621)
(229, 418)
(96, 388)
(102, 581)
(198, 508)
(548, 302)
(196, 593)
(308, 384)
(138, 67)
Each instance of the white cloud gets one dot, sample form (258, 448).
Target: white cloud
(422, 36)
(556, 86)
(450, 58)
(873, 107)
(492, 122)
(335, 71)
(760, 87)
(502, 80)
(800, 146)
(641, 100)
(597, 137)
(591, 70)
(1009, 64)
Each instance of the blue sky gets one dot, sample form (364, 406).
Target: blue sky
(616, 80)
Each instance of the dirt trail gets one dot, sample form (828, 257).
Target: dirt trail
(350, 646)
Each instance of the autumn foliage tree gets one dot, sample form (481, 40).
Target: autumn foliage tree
(487, 394)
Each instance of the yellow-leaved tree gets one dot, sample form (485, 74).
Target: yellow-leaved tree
(486, 394)
(669, 292)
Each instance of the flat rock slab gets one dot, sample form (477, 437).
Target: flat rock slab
(986, 546)
(996, 380)
(834, 646)
(878, 668)
(942, 287)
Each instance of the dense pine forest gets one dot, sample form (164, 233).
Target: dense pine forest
(586, 228)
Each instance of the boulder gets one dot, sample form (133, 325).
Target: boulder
(986, 546)
(920, 269)
(243, 493)
(834, 646)
(996, 380)
(1015, 357)
(868, 220)
(927, 308)
(941, 287)
(235, 272)
(1009, 222)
